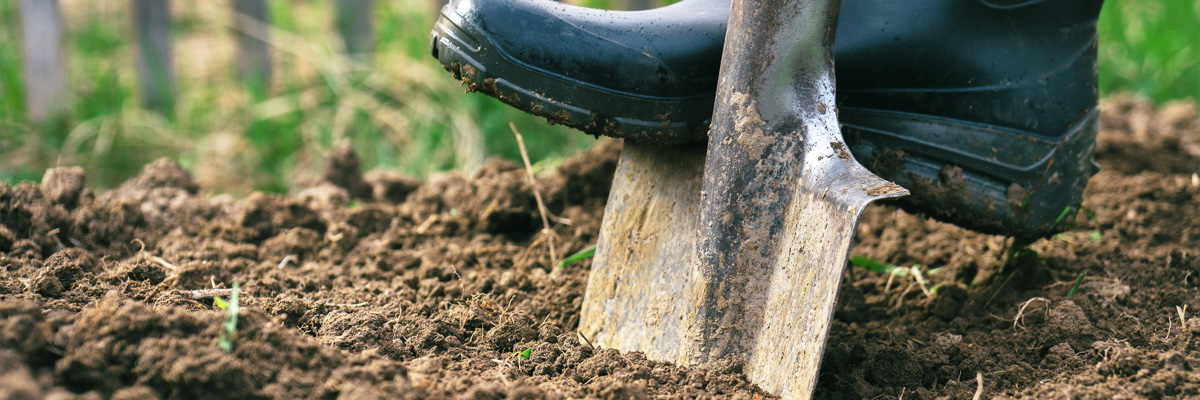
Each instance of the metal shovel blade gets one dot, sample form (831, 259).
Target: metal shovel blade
(743, 258)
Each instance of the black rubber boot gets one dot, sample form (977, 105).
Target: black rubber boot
(985, 109)
(641, 75)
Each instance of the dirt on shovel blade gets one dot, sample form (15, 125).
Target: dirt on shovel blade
(380, 286)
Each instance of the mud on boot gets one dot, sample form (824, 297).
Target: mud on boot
(985, 109)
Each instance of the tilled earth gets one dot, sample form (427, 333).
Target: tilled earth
(385, 287)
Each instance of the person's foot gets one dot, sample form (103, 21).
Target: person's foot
(986, 110)
(647, 76)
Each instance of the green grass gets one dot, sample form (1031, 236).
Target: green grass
(1078, 281)
(577, 257)
(229, 324)
(400, 110)
(877, 266)
(1151, 47)
(884, 268)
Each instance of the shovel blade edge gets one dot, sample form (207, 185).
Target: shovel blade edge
(641, 290)
(637, 292)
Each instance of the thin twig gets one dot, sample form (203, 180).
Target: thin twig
(285, 261)
(537, 195)
(900, 299)
(891, 277)
(462, 287)
(427, 224)
(978, 386)
(585, 339)
(1002, 284)
(164, 263)
(916, 271)
(154, 258)
(208, 293)
(1021, 311)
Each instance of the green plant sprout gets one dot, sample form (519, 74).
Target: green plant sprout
(1061, 216)
(225, 341)
(1018, 248)
(577, 257)
(1078, 281)
(892, 271)
(885, 268)
(876, 266)
(1097, 233)
(525, 354)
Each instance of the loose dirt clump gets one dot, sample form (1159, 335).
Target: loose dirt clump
(387, 287)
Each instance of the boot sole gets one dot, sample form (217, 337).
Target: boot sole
(987, 178)
(990, 179)
(561, 99)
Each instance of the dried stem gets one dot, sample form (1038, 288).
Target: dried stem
(537, 195)
(978, 386)
(208, 293)
(1021, 311)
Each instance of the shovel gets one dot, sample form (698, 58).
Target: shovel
(739, 253)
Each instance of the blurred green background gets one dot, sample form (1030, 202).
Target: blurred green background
(400, 110)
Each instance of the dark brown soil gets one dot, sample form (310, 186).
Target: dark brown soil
(385, 287)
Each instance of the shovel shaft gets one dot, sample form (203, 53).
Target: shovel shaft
(781, 198)
(775, 95)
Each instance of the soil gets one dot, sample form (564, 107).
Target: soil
(383, 286)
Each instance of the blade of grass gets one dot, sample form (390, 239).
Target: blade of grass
(877, 266)
(1078, 281)
(577, 257)
(1061, 215)
(229, 326)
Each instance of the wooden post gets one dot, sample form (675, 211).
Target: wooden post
(354, 26)
(254, 53)
(152, 26)
(45, 79)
